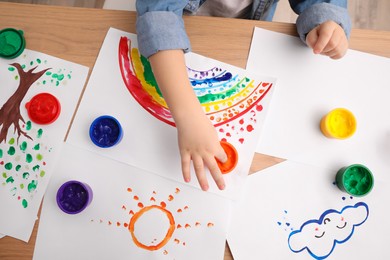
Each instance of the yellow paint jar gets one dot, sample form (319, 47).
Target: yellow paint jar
(339, 123)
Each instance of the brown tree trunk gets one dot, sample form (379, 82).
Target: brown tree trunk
(10, 111)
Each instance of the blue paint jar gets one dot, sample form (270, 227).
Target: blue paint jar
(105, 131)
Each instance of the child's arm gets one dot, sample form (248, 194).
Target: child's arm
(323, 25)
(198, 140)
(162, 39)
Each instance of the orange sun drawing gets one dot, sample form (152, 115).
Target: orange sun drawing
(159, 221)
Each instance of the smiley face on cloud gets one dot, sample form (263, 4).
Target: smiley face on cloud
(320, 236)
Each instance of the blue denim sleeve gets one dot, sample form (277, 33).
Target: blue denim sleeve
(315, 12)
(160, 26)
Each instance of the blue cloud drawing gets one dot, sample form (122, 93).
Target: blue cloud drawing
(320, 236)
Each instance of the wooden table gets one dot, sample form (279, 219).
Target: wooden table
(76, 34)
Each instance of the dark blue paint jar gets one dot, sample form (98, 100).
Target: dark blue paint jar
(105, 131)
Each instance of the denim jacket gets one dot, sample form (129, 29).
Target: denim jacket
(160, 24)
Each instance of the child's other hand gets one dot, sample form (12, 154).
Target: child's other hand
(328, 39)
(198, 141)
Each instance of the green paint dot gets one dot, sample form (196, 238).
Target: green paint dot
(44, 82)
(23, 146)
(39, 61)
(36, 147)
(23, 66)
(57, 83)
(4, 175)
(8, 166)
(39, 157)
(11, 69)
(28, 125)
(24, 203)
(11, 150)
(31, 62)
(12, 141)
(10, 179)
(36, 167)
(21, 186)
(29, 158)
(48, 73)
(17, 168)
(26, 175)
(1, 153)
(69, 76)
(32, 186)
(42, 173)
(40, 132)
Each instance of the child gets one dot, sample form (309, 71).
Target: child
(323, 25)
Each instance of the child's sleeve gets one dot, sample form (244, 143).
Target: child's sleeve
(314, 12)
(160, 26)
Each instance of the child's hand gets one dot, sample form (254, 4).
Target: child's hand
(198, 141)
(328, 39)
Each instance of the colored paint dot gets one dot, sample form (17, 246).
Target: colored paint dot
(39, 157)
(36, 167)
(42, 173)
(10, 180)
(8, 166)
(1, 153)
(24, 203)
(26, 175)
(39, 133)
(4, 175)
(32, 186)
(39, 61)
(11, 141)
(28, 125)
(22, 186)
(11, 150)
(29, 158)
(11, 68)
(23, 146)
(17, 168)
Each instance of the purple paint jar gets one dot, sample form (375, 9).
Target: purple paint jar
(74, 196)
(105, 131)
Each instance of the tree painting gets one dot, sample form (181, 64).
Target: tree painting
(23, 146)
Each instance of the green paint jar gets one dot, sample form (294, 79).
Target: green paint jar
(12, 43)
(356, 179)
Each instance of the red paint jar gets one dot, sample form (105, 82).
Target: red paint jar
(43, 108)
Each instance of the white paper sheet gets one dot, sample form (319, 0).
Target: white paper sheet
(26, 160)
(149, 140)
(102, 230)
(309, 86)
(288, 197)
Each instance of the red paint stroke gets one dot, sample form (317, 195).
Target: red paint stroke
(135, 87)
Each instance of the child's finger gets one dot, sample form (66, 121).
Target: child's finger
(312, 38)
(185, 167)
(199, 171)
(324, 37)
(215, 172)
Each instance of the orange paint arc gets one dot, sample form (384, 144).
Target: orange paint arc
(168, 235)
(232, 158)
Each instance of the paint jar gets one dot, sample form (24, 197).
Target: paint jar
(232, 158)
(356, 180)
(43, 108)
(339, 123)
(105, 131)
(74, 196)
(12, 43)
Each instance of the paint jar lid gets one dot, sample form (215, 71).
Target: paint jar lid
(74, 196)
(12, 43)
(232, 158)
(105, 131)
(356, 180)
(43, 108)
(339, 123)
